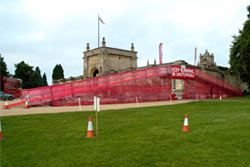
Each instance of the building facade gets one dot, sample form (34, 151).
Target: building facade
(208, 65)
(105, 60)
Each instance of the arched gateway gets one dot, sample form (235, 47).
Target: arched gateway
(94, 72)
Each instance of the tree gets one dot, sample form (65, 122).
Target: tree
(38, 76)
(44, 80)
(58, 72)
(24, 72)
(240, 52)
(3, 66)
(30, 78)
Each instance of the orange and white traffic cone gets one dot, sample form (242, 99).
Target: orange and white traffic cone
(90, 132)
(27, 104)
(220, 98)
(6, 105)
(1, 137)
(185, 126)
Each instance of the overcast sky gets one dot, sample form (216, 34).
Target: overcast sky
(48, 32)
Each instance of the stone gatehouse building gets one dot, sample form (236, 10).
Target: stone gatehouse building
(105, 60)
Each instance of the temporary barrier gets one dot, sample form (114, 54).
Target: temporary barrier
(1, 137)
(6, 105)
(144, 84)
(206, 86)
(90, 131)
(185, 125)
(26, 104)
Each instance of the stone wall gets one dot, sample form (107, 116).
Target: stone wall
(223, 74)
(65, 80)
(117, 63)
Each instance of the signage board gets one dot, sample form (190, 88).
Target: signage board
(182, 72)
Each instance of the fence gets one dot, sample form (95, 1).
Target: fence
(146, 84)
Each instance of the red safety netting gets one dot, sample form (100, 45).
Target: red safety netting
(206, 86)
(146, 84)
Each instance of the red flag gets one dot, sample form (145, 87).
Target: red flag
(101, 20)
(195, 56)
(160, 53)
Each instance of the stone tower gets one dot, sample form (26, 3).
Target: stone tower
(105, 60)
(207, 61)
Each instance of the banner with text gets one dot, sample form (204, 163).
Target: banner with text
(182, 72)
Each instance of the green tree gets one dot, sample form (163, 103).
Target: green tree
(240, 52)
(24, 72)
(38, 76)
(44, 80)
(30, 78)
(58, 72)
(3, 66)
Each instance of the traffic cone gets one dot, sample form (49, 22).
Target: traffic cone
(0, 132)
(90, 132)
(220, 98)
(6, 105)
(185, 126)
(27, 104)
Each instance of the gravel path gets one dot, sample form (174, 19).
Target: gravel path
(47, 109)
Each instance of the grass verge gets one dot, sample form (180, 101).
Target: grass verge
(219, 136)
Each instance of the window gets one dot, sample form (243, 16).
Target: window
(173, 84)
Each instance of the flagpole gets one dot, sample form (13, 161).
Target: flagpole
(160, 53)
(98, 33)
(195, 55)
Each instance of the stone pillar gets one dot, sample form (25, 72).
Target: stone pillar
(103, 42)
(87, 48)
(132, 47)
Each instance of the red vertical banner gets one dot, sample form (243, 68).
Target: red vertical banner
(160, 53)
(195, 56)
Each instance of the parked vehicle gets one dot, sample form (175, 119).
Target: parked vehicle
(4, 96)
(11, 86)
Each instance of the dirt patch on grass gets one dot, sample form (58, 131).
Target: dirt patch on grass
(47, 109)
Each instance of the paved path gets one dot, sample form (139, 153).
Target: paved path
(48, 109)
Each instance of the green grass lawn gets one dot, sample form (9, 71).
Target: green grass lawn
(219, 136)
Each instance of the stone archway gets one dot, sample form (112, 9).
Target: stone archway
(94, 72)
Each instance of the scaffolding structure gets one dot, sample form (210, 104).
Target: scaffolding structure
(145, 85)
